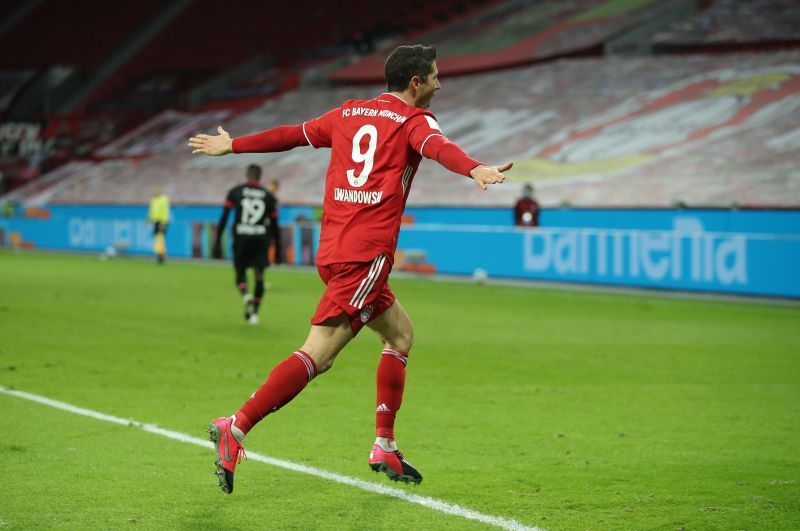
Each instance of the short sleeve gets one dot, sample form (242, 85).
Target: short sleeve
(319, 131)
(229, 199)
(420, 129)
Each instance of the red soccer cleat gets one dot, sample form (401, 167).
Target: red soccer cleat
(393, 465)
(229, 451)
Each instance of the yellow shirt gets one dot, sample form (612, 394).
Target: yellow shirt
(159, 209)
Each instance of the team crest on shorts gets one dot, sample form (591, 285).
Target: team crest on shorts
(366, 313)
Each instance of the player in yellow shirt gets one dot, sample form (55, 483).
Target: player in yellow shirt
(159, 215)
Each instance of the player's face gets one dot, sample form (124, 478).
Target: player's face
(429, 88)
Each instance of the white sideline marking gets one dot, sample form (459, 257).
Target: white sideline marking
(430, 503)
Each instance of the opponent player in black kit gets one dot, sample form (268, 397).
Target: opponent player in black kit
(255, 210)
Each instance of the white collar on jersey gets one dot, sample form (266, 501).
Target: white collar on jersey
(395, 96)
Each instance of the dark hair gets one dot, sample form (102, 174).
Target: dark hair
(406, 62)
(254, 172)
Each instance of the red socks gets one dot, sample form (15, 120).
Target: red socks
(286, 380)
(391, 381)
(291, 376)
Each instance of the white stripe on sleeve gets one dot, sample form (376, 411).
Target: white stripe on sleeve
(306, 135)
(422, 147)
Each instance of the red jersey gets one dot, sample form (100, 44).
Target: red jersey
(526, 212)
(377, 146)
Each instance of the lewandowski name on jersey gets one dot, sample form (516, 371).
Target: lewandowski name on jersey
(357, 196)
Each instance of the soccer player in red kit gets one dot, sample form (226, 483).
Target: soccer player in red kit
(376, 146)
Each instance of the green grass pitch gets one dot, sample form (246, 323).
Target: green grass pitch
(558, 409)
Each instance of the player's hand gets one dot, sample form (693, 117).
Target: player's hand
(214, 145)
(486, 175)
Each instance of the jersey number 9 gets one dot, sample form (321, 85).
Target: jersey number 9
(368, 157)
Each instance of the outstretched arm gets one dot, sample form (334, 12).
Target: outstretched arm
(280, 138)
(455, 159)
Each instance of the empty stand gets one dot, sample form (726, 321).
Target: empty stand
(196, 46)
(736, 22)
(696, 130)
(516, 33)
(651, 132)
(80, 34)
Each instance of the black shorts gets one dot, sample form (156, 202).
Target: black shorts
(251, 251)
(159, 228)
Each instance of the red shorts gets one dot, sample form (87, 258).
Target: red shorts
(359, 290)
